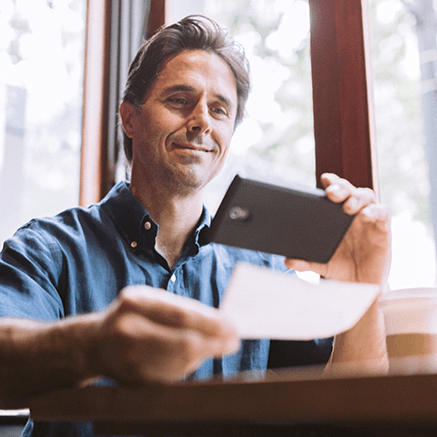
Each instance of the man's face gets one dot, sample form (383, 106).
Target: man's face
(182, 133)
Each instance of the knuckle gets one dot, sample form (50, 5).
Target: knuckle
(119, 335)
(126, 302)
(368, 191)
(180, 317)
(190, 347)
(365, 193)
(377, 215)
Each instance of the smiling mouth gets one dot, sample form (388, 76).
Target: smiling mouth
(191, 147)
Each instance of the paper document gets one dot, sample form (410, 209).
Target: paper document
(263, 303)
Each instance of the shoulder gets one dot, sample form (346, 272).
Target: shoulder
(75, 222)
(68, 223)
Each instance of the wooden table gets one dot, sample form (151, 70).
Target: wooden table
(299, 403)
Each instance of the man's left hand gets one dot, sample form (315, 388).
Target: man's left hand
(364, 253)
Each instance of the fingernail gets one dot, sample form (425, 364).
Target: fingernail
(334, 187)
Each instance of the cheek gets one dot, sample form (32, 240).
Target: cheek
(164, 124)
(153, 131)
(225, 140)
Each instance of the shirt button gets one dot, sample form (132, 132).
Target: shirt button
(173, 278)
(134, 244)
(147, 226)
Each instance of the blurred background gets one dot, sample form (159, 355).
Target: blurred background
(41, 94)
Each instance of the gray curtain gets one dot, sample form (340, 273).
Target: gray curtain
(128, 31)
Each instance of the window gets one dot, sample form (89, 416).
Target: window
(41, 75)
(399, 116)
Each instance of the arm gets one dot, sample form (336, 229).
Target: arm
(363, 256)
(137, 338)
(362, 348)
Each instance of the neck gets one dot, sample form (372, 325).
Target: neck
(177, 217)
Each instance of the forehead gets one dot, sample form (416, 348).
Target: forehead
(201, 70)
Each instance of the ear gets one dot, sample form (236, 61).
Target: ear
(128, 114)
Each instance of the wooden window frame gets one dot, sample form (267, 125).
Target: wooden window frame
(101, 92)
(344, 128)
(95, 102)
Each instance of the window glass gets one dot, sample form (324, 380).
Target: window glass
(400, 131)
(41, 76)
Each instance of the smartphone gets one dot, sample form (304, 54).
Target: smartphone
(295, 223)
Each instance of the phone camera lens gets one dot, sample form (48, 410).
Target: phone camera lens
(238, 213)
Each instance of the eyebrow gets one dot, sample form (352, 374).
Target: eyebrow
(187, 88)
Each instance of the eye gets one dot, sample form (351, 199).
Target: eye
(179, 101)
(220, 111)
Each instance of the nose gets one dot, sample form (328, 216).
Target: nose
(199, 121)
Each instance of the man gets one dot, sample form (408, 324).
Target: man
(64, 318)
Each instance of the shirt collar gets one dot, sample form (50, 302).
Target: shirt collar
(126, 212)
(202, 228)
(129, 216)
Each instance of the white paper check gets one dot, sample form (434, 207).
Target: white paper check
(263, 303)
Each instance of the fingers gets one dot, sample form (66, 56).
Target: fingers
(340, 190)
(189, 348)
(298, 264)
(151, 334)
(364, 252)
(154, 352)
(304, 266)
(163, 307)
(374, 221)
(376, 214)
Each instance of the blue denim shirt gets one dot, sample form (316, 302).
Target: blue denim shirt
(78, 261)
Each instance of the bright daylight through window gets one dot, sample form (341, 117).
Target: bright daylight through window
(41, 77)
(276, 141)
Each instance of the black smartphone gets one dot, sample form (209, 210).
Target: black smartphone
(283, 221)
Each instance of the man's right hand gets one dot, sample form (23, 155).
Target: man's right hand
(151, 335)
(142, 336)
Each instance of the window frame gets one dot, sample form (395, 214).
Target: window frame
(344, 127)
